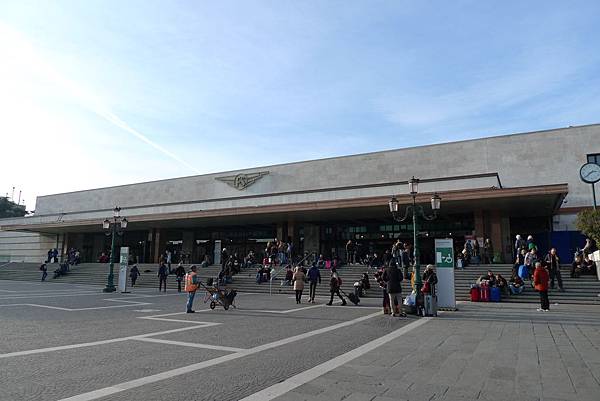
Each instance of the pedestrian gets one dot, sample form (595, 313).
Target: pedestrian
(314, 276)
(553, 262)
(44, 271)
(191, 286)
(488, 251)
(383, 285)
(393, 278)
(224, 258)
(519, 244)
(162, 277)
(350, 252)
(334, 287)
(179, 274)
(540, 280)
(169, 257)
(133, 274)
(298, 279)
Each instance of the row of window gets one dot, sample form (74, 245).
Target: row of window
(594, 158)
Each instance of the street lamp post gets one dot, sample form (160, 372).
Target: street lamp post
(114, 228)
(417, 212)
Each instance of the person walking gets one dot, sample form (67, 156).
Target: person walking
(314, 276)
(350, 252)
(44, 271)
(488, 251)
(383, 285)
(553, 262)
(298, 280)
(179, 274)
(133, 274)
(162, 277)
(334, 287)
(169, 258)
(191, 286)
(540, 281)
(393, 277)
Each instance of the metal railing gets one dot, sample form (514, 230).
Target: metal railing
(282, 267)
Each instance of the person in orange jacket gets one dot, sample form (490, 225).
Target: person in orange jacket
(540, 282)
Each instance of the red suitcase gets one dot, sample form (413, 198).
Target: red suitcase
(484, 291)
(475, 294)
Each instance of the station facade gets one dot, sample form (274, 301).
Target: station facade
(493, 187)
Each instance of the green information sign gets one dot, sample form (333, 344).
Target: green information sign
(444, 253)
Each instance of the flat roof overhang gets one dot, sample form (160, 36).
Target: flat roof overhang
(543, 200)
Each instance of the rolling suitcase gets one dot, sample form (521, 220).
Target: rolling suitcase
(484, 293)
(495, 294)
(430, 302)
(475, 296)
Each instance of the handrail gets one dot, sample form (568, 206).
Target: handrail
(277, 271)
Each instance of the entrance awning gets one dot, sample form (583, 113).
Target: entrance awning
(543, 200)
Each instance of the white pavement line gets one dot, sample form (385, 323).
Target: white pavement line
(162, 319)
(14, 305)
(7, 290)
(129, 304)
(6, 297)
(288, 385)
(102, 342)
(104, 392)
(192, 345)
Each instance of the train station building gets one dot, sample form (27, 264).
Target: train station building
(494, 187)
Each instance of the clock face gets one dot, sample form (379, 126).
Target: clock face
(590, 173)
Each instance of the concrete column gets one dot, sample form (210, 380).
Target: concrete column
(507, 252)
(281, 231)
(158, 233)
(479, 223)
(188, 242)
(496, 231)
(312, 239)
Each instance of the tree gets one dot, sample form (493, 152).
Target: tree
(588, 222)
(11, 209)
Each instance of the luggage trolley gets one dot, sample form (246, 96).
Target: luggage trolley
(217, 296)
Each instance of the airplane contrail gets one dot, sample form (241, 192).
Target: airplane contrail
(13, 43)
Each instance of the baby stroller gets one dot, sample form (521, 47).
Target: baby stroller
(217, 296)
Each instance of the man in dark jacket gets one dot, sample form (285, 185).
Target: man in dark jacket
(179, 274)
(553, 265)
(163, 272)
(314, 276)
(334, 287)
(393, 277)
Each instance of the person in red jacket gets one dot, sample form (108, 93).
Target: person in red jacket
(540, 281)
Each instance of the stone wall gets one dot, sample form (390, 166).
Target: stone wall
(27, 247)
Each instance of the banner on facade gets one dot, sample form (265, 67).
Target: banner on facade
(444, 262)
(124, 259)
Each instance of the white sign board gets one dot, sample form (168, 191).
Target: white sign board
(444, 262)
(596, 258)
(123, 268)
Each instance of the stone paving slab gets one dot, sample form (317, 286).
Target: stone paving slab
(515, 353)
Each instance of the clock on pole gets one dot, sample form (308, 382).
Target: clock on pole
(590, 174)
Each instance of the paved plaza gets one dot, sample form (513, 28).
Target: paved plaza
(73, 342)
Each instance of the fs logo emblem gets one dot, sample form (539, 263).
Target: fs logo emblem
(242, 181)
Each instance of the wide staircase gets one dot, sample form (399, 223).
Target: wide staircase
(583, 290)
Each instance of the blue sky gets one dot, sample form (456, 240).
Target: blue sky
(99, 93)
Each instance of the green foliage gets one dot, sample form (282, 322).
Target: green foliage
(588, 222)
(11, 209)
